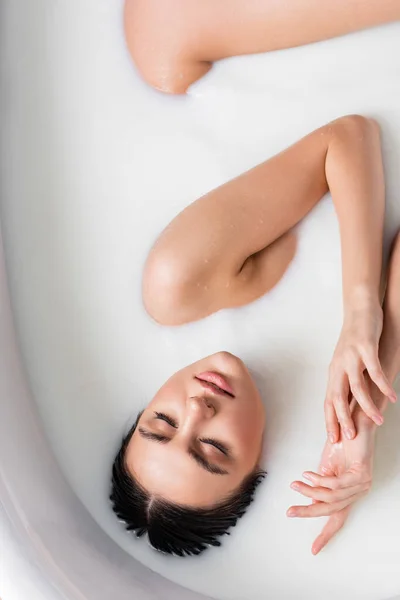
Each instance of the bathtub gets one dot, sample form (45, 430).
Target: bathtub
(50, 546)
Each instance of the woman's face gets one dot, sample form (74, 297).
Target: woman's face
(201, 434)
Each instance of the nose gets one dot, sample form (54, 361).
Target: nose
(199, 408)
(198, 411)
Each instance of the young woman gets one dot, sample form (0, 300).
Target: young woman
(188, 468)
(174, 42)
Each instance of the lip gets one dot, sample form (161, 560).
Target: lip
(215, 382)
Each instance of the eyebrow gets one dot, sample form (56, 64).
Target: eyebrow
(200, 460)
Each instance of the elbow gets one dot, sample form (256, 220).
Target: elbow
(359, 125)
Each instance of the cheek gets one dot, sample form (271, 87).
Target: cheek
(245, 429)
(169, 395)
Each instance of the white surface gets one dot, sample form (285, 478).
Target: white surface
(50, 547)
(94, 165)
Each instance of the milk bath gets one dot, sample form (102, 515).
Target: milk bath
(104, 164)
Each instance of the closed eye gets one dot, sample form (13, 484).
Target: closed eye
(201, 460)
(163, 417)
(155, 437)
(216, 445)
(207, 466)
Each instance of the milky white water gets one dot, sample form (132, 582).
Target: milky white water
(97, 165)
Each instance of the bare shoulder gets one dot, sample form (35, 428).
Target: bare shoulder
(162, 37)
(178, 288)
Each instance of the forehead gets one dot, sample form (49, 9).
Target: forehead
(170, 472)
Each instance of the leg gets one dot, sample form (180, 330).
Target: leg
(174, 42)
(231, 246)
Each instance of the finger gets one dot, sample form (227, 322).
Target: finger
(360, 392)
(331, 422)
(324, 470)
(338, 391)
(322, 509)
(377, 375)
(348, 479)
(327, 495)
(342, 408)
(334, 524)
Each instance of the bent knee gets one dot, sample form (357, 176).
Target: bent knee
(160, 50)
(167, 74)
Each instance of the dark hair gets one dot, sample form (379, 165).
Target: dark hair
(171, 528)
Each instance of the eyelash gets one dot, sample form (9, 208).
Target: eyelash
(210, 442)
(167, 419)
(217, 445)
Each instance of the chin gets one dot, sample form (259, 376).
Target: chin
(228, 357)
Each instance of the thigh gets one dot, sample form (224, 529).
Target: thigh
(174, 42)
(233, 27)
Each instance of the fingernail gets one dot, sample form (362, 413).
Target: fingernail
(394, 397)
(294, 486)
(348, 434)
(307, 476)
(332, 438)
(291, 513)
(378, 420)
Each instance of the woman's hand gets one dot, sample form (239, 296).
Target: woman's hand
(355, 353)
(345, 476)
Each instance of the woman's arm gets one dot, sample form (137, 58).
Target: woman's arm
(232, 245)
(389, 346)
(345, 473)
(389, 358)
(174, 42)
